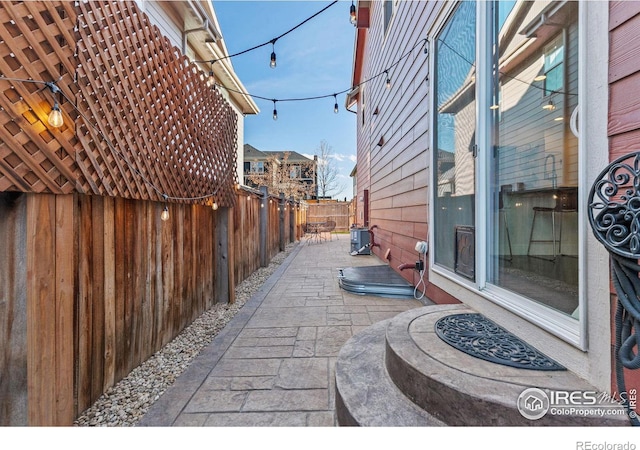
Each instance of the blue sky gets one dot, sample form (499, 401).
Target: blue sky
(313, 60)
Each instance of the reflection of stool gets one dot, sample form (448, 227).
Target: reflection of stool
(552, 212)
(567, 203)
(506, 228)
(503, 213)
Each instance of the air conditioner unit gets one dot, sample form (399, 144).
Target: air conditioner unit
(360, 241)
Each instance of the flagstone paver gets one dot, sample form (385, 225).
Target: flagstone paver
(274, 363)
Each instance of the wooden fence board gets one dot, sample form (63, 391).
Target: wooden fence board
(64, 308)
(41, 309)
(95, 285)
(13, 310)
(109, 294)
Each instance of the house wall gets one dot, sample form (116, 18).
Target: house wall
(624, 109)
(169, 26)
(397, 175)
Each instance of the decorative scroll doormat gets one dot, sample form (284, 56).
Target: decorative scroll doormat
(478, 336)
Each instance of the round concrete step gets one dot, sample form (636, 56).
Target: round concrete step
(365, 396)
(460, 389)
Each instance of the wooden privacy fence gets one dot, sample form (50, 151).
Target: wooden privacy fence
(338, 212)
(263, 225)
(93, 286)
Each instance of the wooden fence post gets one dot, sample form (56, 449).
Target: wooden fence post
(221, 255)
(281, 227)
(292, 219)
(264, 226)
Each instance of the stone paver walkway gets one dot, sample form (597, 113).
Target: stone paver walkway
(273, 364)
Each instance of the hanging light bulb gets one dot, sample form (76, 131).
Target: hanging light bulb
(211, 80)
(388, 80)
(352, 14)
(214, 206)
(275, 111)
(272, 63)
(165, 213)
(335, 107)
(55, 116)
(549, 106)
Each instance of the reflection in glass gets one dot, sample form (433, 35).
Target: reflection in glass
(534, 221)
(454, 131)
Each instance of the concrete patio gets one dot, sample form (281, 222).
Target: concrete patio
(274, 363)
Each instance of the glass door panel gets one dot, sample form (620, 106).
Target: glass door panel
(454, 130)
(533, 225)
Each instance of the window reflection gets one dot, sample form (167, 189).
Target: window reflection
(532, 225)
(455, 137)
(535, 161)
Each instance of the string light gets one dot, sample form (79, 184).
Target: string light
(352, 14)
(335, 107)
(55, 116)
(344, 91)
(165, 214)
(271, 41)
(215, 84)
(272, 64)
(212, 80)
(214, 206)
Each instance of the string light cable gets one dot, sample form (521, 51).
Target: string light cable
(270, 41)
(52, 86)
(384, 72)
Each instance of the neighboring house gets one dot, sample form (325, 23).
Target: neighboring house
(299, 168)
(192, 26)
(468, 146)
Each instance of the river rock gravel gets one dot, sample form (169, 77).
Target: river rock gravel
(128, 401)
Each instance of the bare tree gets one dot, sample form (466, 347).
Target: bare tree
(295, 179)
(328, 182)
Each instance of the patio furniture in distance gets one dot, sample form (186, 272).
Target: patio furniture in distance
(327, 228)
(317, 231)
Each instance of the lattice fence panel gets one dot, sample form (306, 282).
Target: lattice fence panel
(140, 121)
(167, 133)
(36, 43)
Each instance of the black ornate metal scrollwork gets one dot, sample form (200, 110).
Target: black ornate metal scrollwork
(614, 215)
(478, 336)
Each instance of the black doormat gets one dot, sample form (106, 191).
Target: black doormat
(478, 336)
